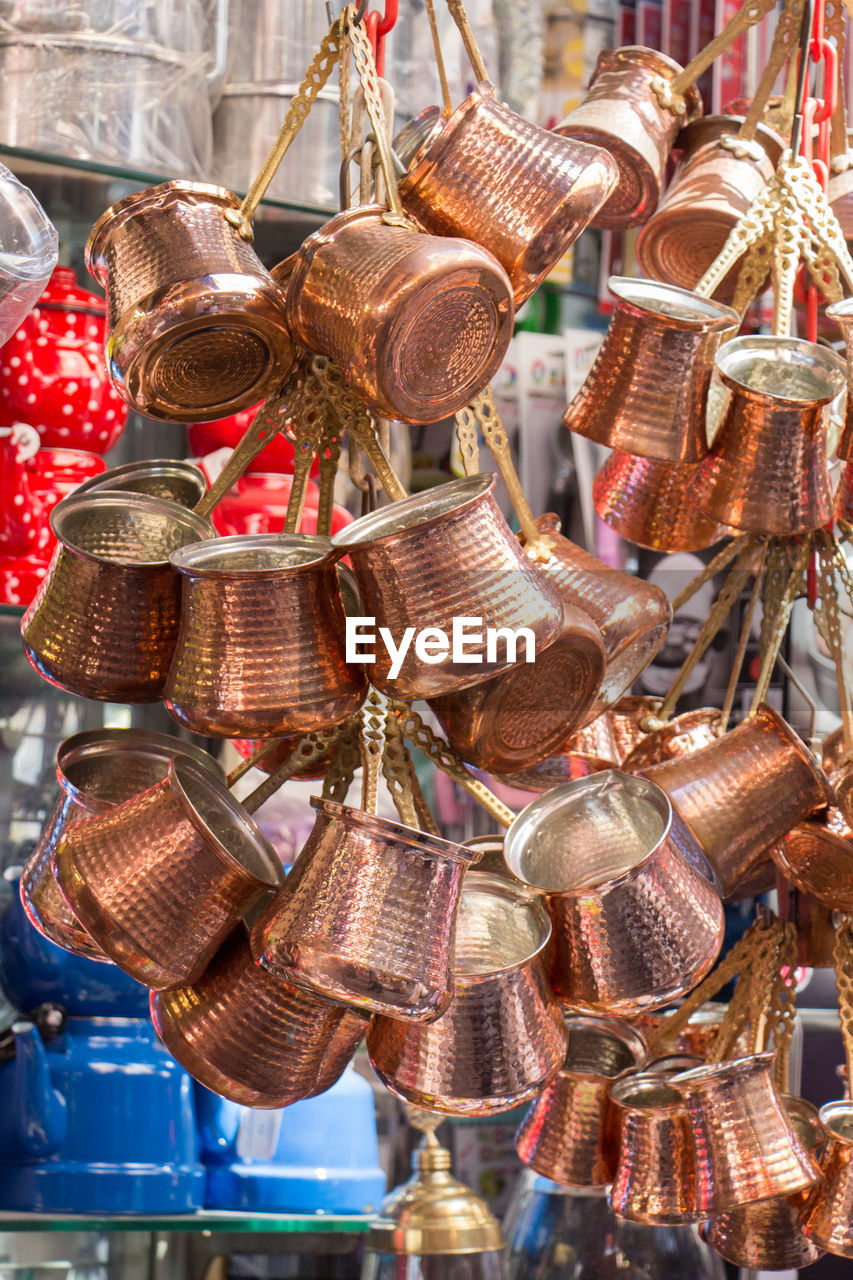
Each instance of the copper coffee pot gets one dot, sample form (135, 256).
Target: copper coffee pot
(650, 502)
(589, 750)
(827, 1219)
(678, 737)
(655, 1178)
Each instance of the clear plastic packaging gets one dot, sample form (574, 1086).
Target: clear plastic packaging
(29, 248)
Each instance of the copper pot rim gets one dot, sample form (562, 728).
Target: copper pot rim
(526, 781)
(138, 201)
(655, 61)
(837, 1119)
(184, 773)
(731, 352)
(165, 468)
(518, 828)
(638, 296)
(719, 126)
(731, 1069)
(828, 843)
(96, 742)
(435, 143)
(495, 886)
(670, 1064)
(844, 307)
(452, 498)
(107, 500)
(300, 552)
(387, 828)
(632, 1093)
(616, 1029)
(417, 132)
(805, 1118)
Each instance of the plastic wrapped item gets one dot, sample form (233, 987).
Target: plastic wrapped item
(29, 248)
(271, 41)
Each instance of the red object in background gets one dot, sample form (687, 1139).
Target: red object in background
(52, 370)
(207, 437)
(54, 473)
(259, 505)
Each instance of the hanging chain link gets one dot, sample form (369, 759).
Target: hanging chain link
(828, 622)
(783, 1003)
(307, 751)
(346, 758)
(785, 39)
(670, 92)
(452, 764)
(843, 962)
(395, 767)
(777, 623)
(373, 715)
(468, 439)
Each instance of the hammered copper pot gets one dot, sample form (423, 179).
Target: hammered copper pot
(649, 502)
(104, 621)
(418, 323)
(633, 616)
(712, 186)
(570, 1134)
(843, 505)
(340, 1051)
(768, 1236)
(368, 915)
(839, 770)
(173, 478)
(196, 322)
(524, 193)
(518, 718)
(161, 880)
(678, 737)
(632, 718)
(817, 857)
(622, 114)
(636, 921)
(767, 470)
(247, 1036)
(260, 651)
(96, 770)
(646, 392)
(438, 556)
(654, 1180)
(827, 1219)
(743, 792)
(745, 1146)
(588, 750)
(503, 1037)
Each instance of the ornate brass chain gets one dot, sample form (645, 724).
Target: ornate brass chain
(670, 92)
(373, 715)
(843, 961)
(467, 437)
(452, 764)
(307, 751)
(346, 758)
(395, 767)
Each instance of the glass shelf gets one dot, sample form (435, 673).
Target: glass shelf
(205, 1222)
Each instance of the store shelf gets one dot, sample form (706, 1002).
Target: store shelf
(207, 1223)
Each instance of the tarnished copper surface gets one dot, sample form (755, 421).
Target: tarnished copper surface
(636, 923)
(247, 1036)
(827, 1220)
(679, 736)
(654, 1180)
(260, 650)
(646, 392)
(522, 192)
(767, 469)
(743, 792)
(838, 770)
(589, 750)
(96, 770)
(711, 188)
(745, 1145)
(503, 1037)
(649, 502)
(444, 554)
(104, 621)
(768, 1236)
(622, 114)
(367, 915)
(570, 1134)
(161, 880)
(196, 322)
(173, 478)
(518, 718)
(817, 857)
(633, 616)
(842, 313)
(418, 323)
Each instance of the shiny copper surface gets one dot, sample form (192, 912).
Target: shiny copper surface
(842, 314)
(622, 114)
(838, 770)
(339, 1052)
(827, 1219)
(711, 188)
(768, 1236)
(767, 469)
(260, 650)
(743, 792)
(633, 616)
(418, 323)
(636, 923)
(176, 479)
(654, 1180)
(679, 736)
(503, 1037)
(367, 915)
(570, 1134)
(745, 1145)
(646, 392)
(247, 1036)
(104, 622)
(518, 718)
(96, 770)
(630, 717)
(817, 857)
(843, 506)
(522, 192)
(196, 322)
(444, 554)
(589, 750)
(161, 880)
(649, 502)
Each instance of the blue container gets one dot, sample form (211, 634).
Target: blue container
(316, 1156)
(99, 1121)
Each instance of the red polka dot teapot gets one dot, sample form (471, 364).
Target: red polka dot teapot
(52, 371)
